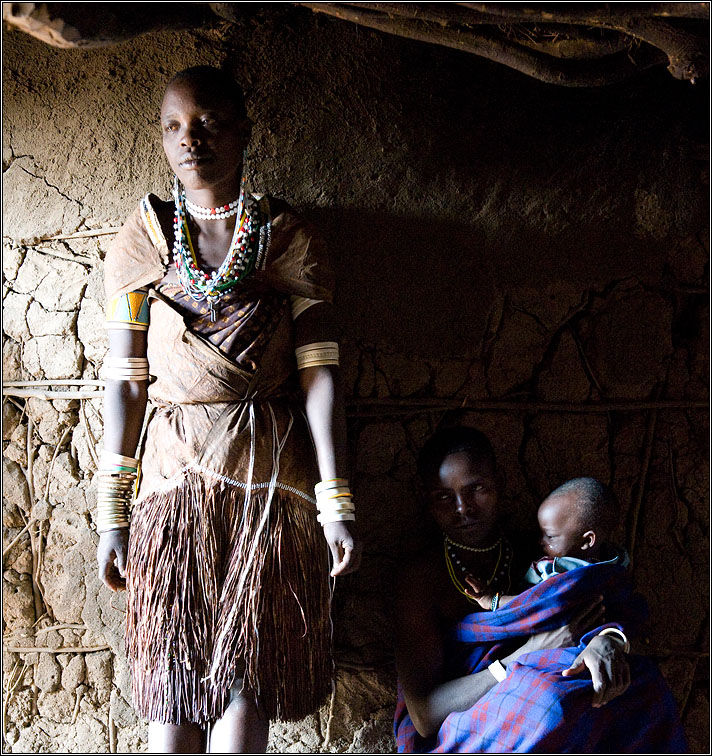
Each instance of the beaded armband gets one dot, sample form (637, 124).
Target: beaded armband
(301, 304)
(319, 353)
(128, 311)
(334, 501)
(117, 480)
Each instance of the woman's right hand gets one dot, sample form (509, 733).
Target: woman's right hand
(570, 634)
(111, 556)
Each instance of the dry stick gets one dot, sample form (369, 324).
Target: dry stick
(12, 685)
(39, 394)
(92, 439)
(642, 482)
(676, 500)
(327, 735)
(65, 650)
(36, 591)
(54, 456)
(63, 626)
(81, 259)
(6, 550)
(84, 234)
(56, 382)
(112, 729)
(79, 693)
(40, 557)
(412, 405)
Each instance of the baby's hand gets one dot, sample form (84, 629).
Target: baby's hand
(478, 592)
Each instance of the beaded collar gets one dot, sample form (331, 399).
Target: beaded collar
(238, 263)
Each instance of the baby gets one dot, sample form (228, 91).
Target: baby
(576, 520)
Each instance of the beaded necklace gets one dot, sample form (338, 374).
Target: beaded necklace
(238, 263)
(212, 213)
(464, 547)
(501, 570)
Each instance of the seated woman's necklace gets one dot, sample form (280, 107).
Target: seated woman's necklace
(241, 255)
(500, 576)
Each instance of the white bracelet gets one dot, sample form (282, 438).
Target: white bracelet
(301, 304)
(619, 634)
(334, 501)
(498, 671)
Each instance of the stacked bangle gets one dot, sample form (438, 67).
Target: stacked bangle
(495, 602)
(126, 368)
(334, 501)
(117, 479)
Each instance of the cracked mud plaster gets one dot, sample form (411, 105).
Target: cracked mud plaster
(474, 264)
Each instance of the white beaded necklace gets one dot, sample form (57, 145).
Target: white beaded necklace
(212, 213)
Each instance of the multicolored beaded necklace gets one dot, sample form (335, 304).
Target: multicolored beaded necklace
(238, 263)
(502, 568)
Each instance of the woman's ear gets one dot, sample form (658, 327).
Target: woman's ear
(588, 540)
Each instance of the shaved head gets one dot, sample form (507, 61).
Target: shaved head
(212, 82)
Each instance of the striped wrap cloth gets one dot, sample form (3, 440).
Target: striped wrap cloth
(535, 709)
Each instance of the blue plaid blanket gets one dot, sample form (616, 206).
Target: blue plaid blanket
(535, 709)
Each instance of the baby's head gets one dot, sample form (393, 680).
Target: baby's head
(576, 519)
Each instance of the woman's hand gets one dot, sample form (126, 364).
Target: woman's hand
(111, 556)
(606, 661)
(570, 634)
(345, 548)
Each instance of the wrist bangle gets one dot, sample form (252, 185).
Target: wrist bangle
(495, 602)
(334, 501)
(498, 671)
(619, 634)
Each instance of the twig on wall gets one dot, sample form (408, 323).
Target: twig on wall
(49, 394)
(90, 435)
(84, 234)
(54, 456)
(64, 650)
(55, 382)
(642, 483)
(408, 405)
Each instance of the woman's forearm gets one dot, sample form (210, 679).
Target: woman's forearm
(124, 410)
(327, 419)
(429, 712)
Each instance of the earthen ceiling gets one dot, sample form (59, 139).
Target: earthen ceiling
(569, 44)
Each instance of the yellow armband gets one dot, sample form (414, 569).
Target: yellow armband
(129, 311)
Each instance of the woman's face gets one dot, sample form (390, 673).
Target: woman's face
(464, 500)
(203, 138)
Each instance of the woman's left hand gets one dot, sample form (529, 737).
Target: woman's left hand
(606, 661)
(345, 548)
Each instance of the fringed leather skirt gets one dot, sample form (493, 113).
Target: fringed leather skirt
(222, 587)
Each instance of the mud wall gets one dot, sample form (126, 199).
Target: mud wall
(497, 240)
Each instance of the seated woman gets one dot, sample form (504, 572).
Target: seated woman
(510, 680)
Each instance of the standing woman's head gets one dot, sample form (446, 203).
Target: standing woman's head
(457, 469)
(205, 130)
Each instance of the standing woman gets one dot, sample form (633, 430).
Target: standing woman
(226, 566)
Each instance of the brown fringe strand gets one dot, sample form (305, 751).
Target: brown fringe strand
(197, 601)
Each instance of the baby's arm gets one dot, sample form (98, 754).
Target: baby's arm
(481, 593)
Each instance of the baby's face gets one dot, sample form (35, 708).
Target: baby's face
(561, 533)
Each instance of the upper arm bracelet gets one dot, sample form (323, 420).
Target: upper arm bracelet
(318, 353)
(128, 311)
(300, 304)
